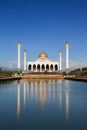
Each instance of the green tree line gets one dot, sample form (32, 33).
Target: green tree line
(5, 72)
(80, 72)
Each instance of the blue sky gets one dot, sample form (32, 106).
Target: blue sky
(43, 25)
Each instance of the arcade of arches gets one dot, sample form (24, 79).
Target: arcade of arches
(43, 68)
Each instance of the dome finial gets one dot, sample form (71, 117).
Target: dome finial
(43, 55)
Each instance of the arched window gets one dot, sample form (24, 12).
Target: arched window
(47, 67)
(56, 67)
(38, 67)
(34, 67)
(29, 67)
(51, 67)
(43, 67)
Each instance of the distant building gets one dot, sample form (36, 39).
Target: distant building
(43, 64)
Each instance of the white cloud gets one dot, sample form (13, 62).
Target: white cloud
(77, 64)
(74, 64)
(12, 65)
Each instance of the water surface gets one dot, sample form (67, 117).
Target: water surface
(43, 105)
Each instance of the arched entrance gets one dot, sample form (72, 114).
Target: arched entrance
(34, 67)
(29, 67)
(43, 68)
(56, 67)
(38, 67)
(47, 67)
(51, 67)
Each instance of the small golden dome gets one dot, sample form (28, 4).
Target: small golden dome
(43, 55)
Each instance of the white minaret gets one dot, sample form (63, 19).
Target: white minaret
(25, 53)
(67, 56)
(60, 60)
(19, 47)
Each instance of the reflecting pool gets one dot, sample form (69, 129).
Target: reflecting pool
(43, 105)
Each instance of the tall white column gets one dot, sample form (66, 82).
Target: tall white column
(25, 53)
(36, 67)
(60, 60)
(67, 56)
(19, 47)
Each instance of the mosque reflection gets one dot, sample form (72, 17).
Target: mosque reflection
(43, 91)
(18, 99)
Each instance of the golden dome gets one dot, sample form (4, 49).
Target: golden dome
(43, 55)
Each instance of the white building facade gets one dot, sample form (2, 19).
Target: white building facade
(43, 64)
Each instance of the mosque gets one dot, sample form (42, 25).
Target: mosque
(43, 63)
